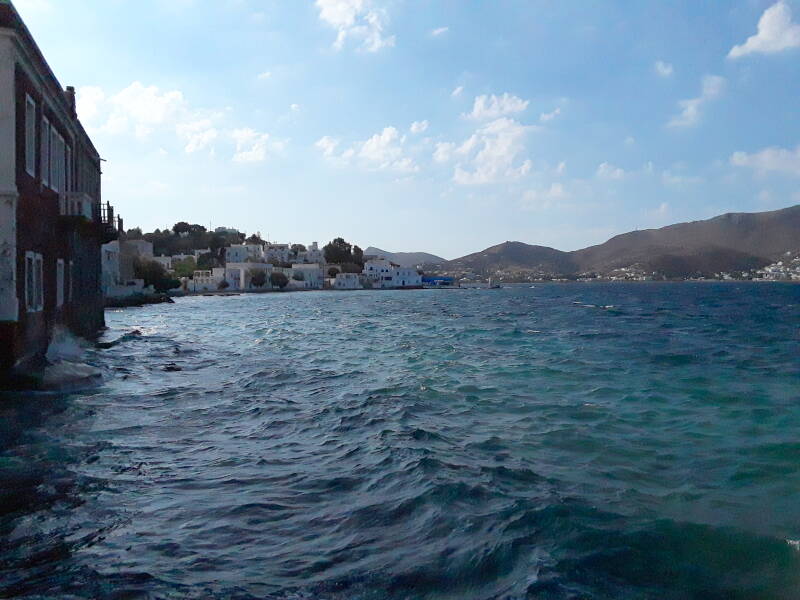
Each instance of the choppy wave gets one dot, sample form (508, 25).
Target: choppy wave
(418, 445)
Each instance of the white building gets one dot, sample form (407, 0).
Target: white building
(347, 281)
(239, 275)
(383, 273)
(206, 281)
(164, 261)
(112, 280)
(277, 252)
(240, 253)
(306, 276)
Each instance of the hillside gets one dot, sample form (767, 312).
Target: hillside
(733, 241)
(407, 259)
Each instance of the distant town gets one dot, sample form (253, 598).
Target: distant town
(189, 259)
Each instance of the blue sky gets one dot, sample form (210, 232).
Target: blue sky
(446, 127)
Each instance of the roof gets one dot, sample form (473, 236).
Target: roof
(11, 19)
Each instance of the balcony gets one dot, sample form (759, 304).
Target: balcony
(76, 204)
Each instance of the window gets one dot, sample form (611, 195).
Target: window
(60, 283)
(39, 282)
(45, 151)
(30, 302)
(34, 294)
(30, 136)
(68, 172)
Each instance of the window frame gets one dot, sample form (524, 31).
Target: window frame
(30, 136)
(60, 282)
(45, 156)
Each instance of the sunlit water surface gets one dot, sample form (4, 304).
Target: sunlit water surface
(565, 441)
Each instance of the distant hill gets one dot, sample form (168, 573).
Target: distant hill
(733, 241)
(407, 259)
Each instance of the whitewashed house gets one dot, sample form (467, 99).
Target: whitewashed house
(347, 281)
(306, 276)
(239, 275)
(277, 252)
(206, 281)
(241, 253)
(383, 273)
(164, 261)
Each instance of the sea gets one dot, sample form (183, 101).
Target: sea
(554, 441)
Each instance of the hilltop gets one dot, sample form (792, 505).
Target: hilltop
(730, 242)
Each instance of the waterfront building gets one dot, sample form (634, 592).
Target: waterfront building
(206, 281)
(52, 223)
(240, 275)
(383, 273)
(306, 276)
(347, 281)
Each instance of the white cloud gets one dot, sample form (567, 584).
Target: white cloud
(670, 178)
(713, 86)
(561, 168)
(144, 108)
(382, 151)
(773, 159)
(630, 140)
(294, 107)
(492, 153)
(444, 151)
(545, 117)
(662, 210)
(457, 92)
(663, 69)
(198, 134)
(545, 199)
(609, 171)
(355, 19)
(89, 102)
(776, 32)
(252, 146)
(327, 145)
(419, 126)
(264, 76)
(493, 107)
(440, 31)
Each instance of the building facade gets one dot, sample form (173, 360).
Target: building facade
(52, 223)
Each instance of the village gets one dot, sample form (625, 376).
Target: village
(130, 268)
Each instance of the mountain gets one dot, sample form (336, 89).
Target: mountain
(730, 242)
(407, 259)
(516, 256)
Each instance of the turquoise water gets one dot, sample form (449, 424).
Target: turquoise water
(565, 441)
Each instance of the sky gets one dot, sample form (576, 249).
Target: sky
(438, 126)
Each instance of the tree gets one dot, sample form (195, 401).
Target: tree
(351, 267)
(154, 274)
(298, 276)
(338, 251)
(258, 277)
(181, 227)
(223, 285)
(297, 249)
(134, 234)
(278, 279)
(358, 256)
(184, 268)
(255, 239)
(206, 261)
(332, 272)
